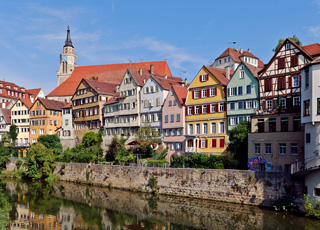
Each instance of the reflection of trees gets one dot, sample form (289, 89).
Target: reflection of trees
(41, 199)
(119, 219)
(4, 210)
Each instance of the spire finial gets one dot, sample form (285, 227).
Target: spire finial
(68, 40)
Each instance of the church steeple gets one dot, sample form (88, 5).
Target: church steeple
(68, 41)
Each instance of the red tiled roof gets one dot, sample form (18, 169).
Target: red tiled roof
(247, 54)
(254, 70)
(236, 54)
(112, 73)
(69, 105)
(8, 86)
(260, 64)
(102, 87)
(34, 92)
(112, 101)
(166, 83)
(220, 74)
(52, 104)
(26, 102)
(181, 93)
(7, 115)
(312, 49)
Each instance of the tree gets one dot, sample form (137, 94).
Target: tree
(13, 133)
(90, 139)
(147, 139)
(51, 142)
(281, 40)
(113, 148)
(238, 143)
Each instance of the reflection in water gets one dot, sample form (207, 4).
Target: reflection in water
(66, 206)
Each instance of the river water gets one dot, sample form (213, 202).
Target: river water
(66, 206)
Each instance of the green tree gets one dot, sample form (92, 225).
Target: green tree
(90, 139)
(13, 133)
(51, 142)
(4, 210)
(238, 143)
(113, 148)
(39, 162)
(147, 139)
(281, 40)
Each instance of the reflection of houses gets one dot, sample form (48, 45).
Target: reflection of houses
(280, 93)
(206, 117)
(173, 120)
(22, 217)
(43, 221)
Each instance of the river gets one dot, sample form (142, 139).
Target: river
(66, 206)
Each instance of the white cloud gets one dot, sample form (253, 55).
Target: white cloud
(314, 31)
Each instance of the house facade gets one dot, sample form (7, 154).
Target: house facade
(45, 118)
(173, 120)
(5, 121)
(20, 117)
(242, 94)
(87, 105)
(206, 118)
(66, 131)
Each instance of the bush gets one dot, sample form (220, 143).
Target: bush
(286, 204)
(311, 211)
(178, 161)
(198, 160)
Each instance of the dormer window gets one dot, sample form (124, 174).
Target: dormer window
(204, 77)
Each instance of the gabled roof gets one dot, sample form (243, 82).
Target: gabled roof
(51, 104)
(67, 106)
(312, 49)
(219, 74)
(275, 54)
(236, 54)
(101, 87)
(7, 115)
(166, 83)
(254, 70)
(34, 92)
(25, 101)
(181, 93)
(140, 77)
(111, 73)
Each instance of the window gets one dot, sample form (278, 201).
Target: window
(308, 137)
(240, 90)
(197, 109)
(294, 149)
(297, 124)
(213, 127)
(282, 149)
(33, 131)
(190, 110)
(269, 104)
(232, 91)
(196, 94)
(240, 105)
(214, 143)
(232, 106)
(204, 77)
(178, 117)
(257, 149)
(287, 46)
(41, 131)
(249, 105)
(205, 128)
(272, 125)
(212, 92)
(306, 108)
(248, 88)
(203, 143)
(166, 118)
(232, 121)
(296, 101)
(213, 108)
(307, 78)
(174, 102)
(281, 63)
(170, 103)
(172, 118)
(284, 124)
(66, 122)
(260, 125)
(204, 93)
(267, 148)
(190, 129)
(222, 143)
(295, 81)
(204, 108)
(221, 127)
(281, 83)
(197, 128)
(268, 84)
(318, 105)
(242, 74)
(178, 146)
(221, 107)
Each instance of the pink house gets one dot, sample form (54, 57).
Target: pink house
(173, 120)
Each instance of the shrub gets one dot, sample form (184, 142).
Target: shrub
(178, 161)
(311, 211)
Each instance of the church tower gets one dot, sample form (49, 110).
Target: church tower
(68, 60)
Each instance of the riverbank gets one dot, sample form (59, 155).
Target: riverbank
(236, 186)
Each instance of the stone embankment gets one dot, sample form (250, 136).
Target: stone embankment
(237, 186)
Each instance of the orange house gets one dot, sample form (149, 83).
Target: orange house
(45, 117)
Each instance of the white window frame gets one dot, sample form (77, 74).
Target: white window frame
(212, 90)
(213, 127)
(294, 145)
(269, 104)
(221, 107)
(205, 128)
(204, 109)
(295, 81)
(267, 146)
(198, 128)
(203, 143)
(190, 128)
(296, 101)
(197, 109)
(282, 149)
(241, 76)
(257, 148)
(203, 93)
(221, 127)
(212, 108)
(189, 110)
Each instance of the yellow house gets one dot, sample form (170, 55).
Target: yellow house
(206, 115)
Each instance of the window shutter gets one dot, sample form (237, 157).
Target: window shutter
(228, 91)
(192, 110)
(206, 143)
(200, 109)
(274, 103)
(208, 92)
(214, 143)
(208, 108)
(294, 60)
(290, 82)
(199, 143)
(224, 106)
(215, 91)
(200, 78)
(217, 107)
(235, 91)
(200, 94)
(264, 105)
(244, 105)
(281, 63)
(192, 94)
(221, 143)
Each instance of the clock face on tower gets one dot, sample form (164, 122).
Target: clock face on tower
(64, 58)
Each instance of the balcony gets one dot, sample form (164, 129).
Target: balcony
(191, 149)
(300, 168)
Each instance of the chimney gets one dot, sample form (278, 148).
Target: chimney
(228, 72)
(140, 71)
(241, 50)
(248, 50)
(186, 81)
(151, 69)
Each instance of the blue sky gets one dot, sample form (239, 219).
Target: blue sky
(188, 34)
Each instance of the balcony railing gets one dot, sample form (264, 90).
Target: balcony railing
(190, 149)
(305, 165)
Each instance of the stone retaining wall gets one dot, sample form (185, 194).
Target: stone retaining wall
(237, 186)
